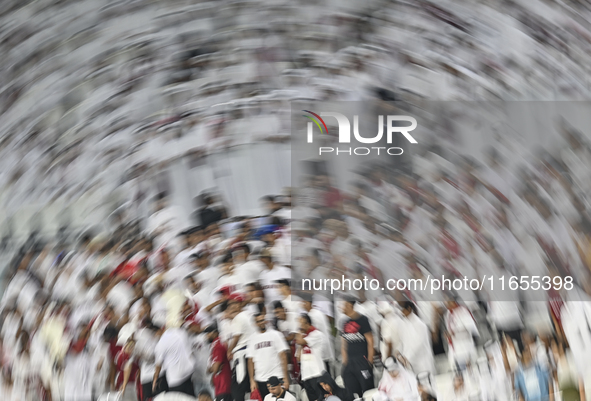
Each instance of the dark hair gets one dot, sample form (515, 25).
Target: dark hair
(154, 327)
(306, 317)
(409, 305)
(350, 299)
(161, 196)
(385, 95)
(261, 307)
(227, 258)
(255, 285)
(85, 238)
(277, 304)
(110, 333)
(429, 397)
(243, 246)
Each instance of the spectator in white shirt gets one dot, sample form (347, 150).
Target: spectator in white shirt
(173, 355)
(267, 354)
(397, 383)
(242, 328)
(277, 391)
(312, 343)
(322, 323)
(270, 275)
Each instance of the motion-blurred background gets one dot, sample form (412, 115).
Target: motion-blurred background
(106, 104)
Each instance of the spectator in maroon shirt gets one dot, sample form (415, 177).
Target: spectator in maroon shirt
(219, 366)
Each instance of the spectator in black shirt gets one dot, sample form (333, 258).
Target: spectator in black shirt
(357, 350)
(328, 387)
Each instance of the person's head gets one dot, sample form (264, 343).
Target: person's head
(527, 337)
(254, 292)
(85, 240)
(261, 322)
(227, 264)
(200, 259)
(84, 331)
(140, 276)
(274, 385)
(186, 236)
(164, 258)
(305, 323)
(451, 302)
(208, 200)
(407, 308)
(279, 310)
(109, 313)
(196, 235)
(307, 301)
(348, 305)
(269, 205)
(161, 201)
(526, 356)
(326, 386)
(241, 253)
(284, 287)
(204, 396)
(145, 310)
(342, 229)
(266, 258)
(211, 332)
(191, 284)
(268, 236)
(235, 302)
(24, 342)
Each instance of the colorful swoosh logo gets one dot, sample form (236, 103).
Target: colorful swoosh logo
(316, 122)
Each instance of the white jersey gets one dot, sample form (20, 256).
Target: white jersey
(265, 351)
(320, 321)
(78, 377)
(268, 280)
(173, 353)
(243, 325)
(251, 270)
(415, 344)
(461, 326)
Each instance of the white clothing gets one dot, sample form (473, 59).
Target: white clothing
(265, 349)
(461, 327)
(286, 397)
(268, 280)
(311, 361)
(78, 377)
(173, 353)
(415, 344)
(403, 387)
(320, 321)
(251, 270)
